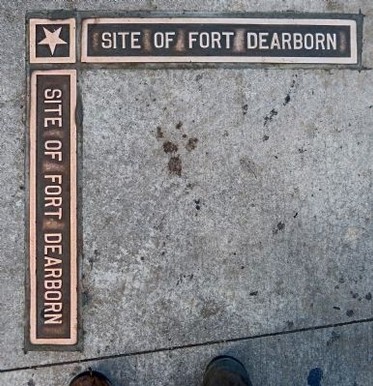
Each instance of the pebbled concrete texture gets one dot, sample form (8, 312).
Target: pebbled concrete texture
(217, 204)
(241, 212)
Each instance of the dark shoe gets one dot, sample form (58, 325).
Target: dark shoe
(226, 371)
(90, 378)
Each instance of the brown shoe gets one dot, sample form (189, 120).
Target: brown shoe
(90, 378)
(226, 371)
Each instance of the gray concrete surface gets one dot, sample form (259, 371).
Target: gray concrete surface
(290, 359)
(259, 224)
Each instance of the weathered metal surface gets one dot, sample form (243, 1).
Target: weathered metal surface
(52, 208)
(52, 41)
(231, 40)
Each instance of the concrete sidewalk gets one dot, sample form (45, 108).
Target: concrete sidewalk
(253, 238)
(341, 355)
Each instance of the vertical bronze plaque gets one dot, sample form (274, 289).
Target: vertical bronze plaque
(53, 208)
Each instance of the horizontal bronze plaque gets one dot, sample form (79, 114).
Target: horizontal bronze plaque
(220, 40)
(53, 208)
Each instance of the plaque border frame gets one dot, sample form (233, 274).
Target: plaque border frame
(255, 60)
(56, 60)
(73, 301)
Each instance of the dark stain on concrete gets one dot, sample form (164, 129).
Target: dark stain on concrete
(333, 338)
(192, 144)
(94, 258)
(175, 165)
(350, 313)
(332, 5)
(198, 204)
(265, 137)
(354, 295)
(250, 166)
(253, 293)
(159, 132)
(279, 227)
(183, 278)
(245, 109)
(31, 382)
(314, 377)
(210, 309)
(269, 117)
(86, 298)
(290, 324)
(287, 99)
(169, 147)
(302, 150)
(368, 296)
(172, 148)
